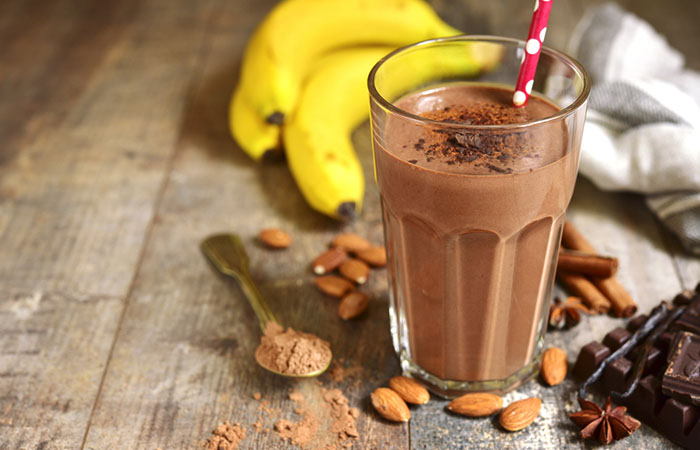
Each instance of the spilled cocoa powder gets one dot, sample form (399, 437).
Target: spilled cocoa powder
(327, 422)
(225, 437)
(292, 352)
(337, 422)
(303, 432)
(343, 424)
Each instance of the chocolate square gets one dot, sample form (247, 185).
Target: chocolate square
(682, 377)
(689, 321)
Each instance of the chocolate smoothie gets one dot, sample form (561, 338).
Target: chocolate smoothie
(473, 221)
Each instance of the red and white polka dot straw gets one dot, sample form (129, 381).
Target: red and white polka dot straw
(535, 38)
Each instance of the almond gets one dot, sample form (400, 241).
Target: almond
(553, 368)
(352, 305)
(275, 238)
(355, 270)
(479, 404)
(334, 285)
(410, 390)
(520, 414)
(351, 242)
(329, 260)
(374, 256)
(389, 405)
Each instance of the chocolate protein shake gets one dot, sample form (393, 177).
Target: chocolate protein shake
(472, 217)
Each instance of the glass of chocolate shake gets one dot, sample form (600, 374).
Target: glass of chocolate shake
(474, 193)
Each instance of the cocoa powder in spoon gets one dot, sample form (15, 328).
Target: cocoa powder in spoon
(292, 352)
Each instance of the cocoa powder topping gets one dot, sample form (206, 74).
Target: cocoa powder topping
(488, 149)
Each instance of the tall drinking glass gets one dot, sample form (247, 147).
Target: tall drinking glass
(474, 194)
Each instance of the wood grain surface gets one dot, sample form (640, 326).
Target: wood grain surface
(115, 161)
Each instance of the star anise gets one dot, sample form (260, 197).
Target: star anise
(566, 313)
(606, 424)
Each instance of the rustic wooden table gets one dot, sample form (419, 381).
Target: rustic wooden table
(115, 161)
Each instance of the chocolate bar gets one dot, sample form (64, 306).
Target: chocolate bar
(673, 415)
(681, 380)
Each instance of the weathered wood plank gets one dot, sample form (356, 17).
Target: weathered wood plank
(88, 127)
(183, 360)
(92, 95)
(212, 386)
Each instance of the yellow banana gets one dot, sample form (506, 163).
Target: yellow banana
(296, 33)
(317, 134)
(335, 100)
(255, 135)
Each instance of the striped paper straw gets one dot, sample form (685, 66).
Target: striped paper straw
(533, 46)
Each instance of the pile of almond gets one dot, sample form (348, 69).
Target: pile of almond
(390, 403)
(352, 256)
(516, 416)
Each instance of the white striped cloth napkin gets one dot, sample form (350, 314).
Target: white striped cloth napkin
(642, 131)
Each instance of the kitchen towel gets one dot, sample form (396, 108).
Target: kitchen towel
(642, 131)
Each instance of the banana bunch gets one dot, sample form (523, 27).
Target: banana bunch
(303, 85)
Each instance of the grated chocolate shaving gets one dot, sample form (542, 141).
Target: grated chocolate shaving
(490, 149)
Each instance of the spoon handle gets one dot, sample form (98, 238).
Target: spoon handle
(227, 253)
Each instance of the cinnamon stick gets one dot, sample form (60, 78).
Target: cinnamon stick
(584, 288)
(572, 239)
(623, 305)
(587, 264)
